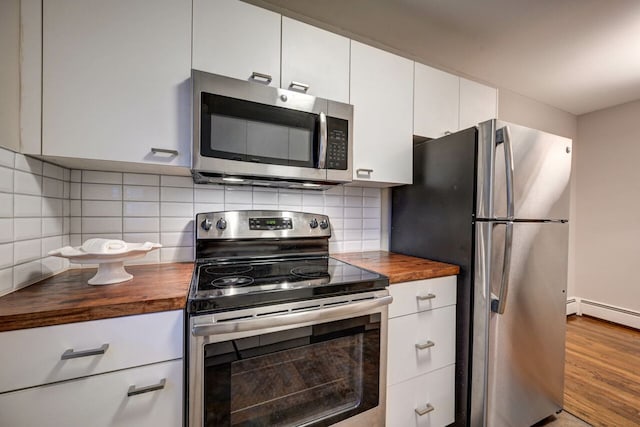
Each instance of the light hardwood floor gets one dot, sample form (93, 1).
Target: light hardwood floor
(602, 372)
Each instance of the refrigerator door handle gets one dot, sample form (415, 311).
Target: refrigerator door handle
(498, 305)
(503, 136)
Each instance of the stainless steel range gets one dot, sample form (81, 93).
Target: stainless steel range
(280, 334)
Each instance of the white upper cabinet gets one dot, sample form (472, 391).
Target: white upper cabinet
(116, 80)
(382, 96)
(314, 61)
(236, 39)
(436, 102)
(478, 103)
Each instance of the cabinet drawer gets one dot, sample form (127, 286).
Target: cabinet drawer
(433, 327)
(100, 400)
(435, 389)
(406, 296)
(33, 357)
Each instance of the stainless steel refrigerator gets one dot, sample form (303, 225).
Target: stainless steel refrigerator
(494, 199)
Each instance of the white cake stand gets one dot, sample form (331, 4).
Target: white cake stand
(110, 261)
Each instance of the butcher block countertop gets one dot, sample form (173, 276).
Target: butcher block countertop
(67, 298)
(398, 268)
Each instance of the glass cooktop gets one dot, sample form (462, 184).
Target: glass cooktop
(227, 285)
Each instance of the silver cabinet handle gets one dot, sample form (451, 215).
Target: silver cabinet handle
(363, 171)
(426, 297)
(424, 345)
(72, 354)
(133, 390)
(446, 132)
(322, 146)
(303, 86)
(425, 409)
(164, 151)
(266, 77)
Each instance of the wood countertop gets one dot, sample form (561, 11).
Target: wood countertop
(67, 298)
(398, 268)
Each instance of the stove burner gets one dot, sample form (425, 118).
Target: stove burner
(311, 271)
(228, 270)
(232, 281)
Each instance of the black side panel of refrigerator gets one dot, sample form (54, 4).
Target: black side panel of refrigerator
(434, 218)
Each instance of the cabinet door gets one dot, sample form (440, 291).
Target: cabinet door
(101, 400)
(41, 355)
(382, 96)
(316, 58)
(478, 103)
(435, 389)
(116, 80)
(434, 331)
(236, 39)
(435, 102)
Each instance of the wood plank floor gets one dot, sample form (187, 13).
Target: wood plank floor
(602, 372)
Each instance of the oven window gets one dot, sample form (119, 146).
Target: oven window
(316, 375)
(247, 131)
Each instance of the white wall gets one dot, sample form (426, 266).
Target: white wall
(608, 199)
(515, 108)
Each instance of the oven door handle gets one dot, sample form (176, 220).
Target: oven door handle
(322, 313)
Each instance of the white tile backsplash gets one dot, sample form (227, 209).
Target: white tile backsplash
(101, 192)
(141, 179)
(27, 250)
(176, 181)
(141, 209)
(27, 228)
(6, 255)
(141, 193)
(27, 183)
(141, 225)
(94, 225)
(101, 208)
(97, 177)
(6, 179)
(176, 194)
(27, 206)
(45, 206)
(6, 205)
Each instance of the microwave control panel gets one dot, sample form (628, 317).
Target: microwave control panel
(337, 143)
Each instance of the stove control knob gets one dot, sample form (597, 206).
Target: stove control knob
(206, 224)
(324, 224)
(221, 224)
(313, 223)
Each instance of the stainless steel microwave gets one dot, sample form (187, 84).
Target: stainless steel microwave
(248, 133)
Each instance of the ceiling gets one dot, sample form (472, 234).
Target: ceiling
(576, 55)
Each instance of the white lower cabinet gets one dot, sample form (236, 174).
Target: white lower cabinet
(431, 394)
(124, 371)
(421, 353)
(101, 400)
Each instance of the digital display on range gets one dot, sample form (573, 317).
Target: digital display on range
(270, 224)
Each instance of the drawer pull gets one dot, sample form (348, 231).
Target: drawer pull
(164, 151)
(256, 76)
(71, 354)
(304, 87)
(423, 345)
(425, 409)
(426, 297)
(134, 391)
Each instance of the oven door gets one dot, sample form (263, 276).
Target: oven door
(312, 363)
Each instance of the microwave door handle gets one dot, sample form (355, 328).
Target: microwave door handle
(322, 146)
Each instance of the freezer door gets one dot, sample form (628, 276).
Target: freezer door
(518, 365)
(522, 173)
